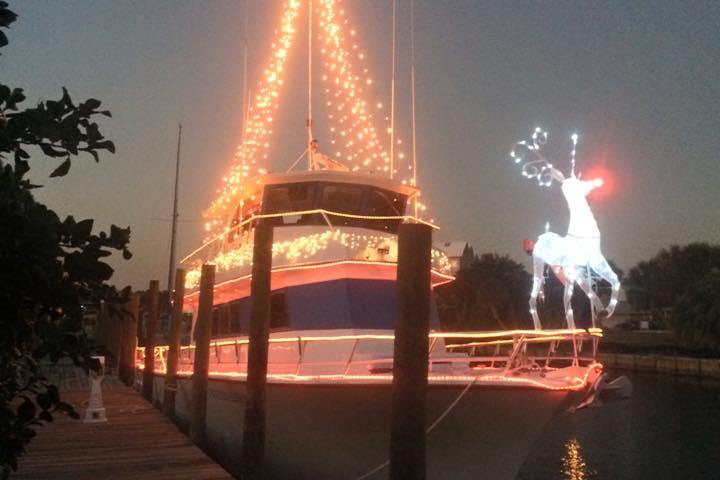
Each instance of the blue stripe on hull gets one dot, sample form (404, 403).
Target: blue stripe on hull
(346, 303)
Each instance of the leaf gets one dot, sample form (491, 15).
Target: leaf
(21, 167)
(46, 416)
(62, 170)
(51, 151)
(106, 113)
(127, 254)
(82, 231)
(53, 393)
(66, 98)
(119, 237)
(26, 411)
(106, 145)
(44, 401)
(91, 103)
(16, 97)
(68, 409)
(6, 16)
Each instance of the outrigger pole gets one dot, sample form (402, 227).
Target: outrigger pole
(392, 98)
(173, 234)
(246, 94)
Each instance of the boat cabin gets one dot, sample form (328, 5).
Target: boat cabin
(342, 199)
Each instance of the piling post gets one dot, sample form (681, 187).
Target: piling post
(129, 341)
(253, 447)
(410, 364)
(203, 326)
(174, 344)
(150, 331)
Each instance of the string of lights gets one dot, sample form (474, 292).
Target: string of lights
(354, 138)
(253, 150)
(364, 247)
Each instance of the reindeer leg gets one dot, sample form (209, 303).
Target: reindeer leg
(567, 300)
(538, 279)
(596, 305)
(602, 267)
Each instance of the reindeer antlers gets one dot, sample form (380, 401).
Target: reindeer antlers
(534, 163)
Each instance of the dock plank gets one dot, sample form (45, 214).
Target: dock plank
(136, 442)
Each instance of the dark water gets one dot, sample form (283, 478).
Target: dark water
(669, 429)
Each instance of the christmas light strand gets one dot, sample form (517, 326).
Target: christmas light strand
(366, 247)
(252, 153)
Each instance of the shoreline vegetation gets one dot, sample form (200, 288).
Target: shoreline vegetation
(656, 351)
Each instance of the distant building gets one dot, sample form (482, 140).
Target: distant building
(459, 252)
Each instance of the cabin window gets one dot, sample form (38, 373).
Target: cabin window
(342, 199)
(296, 197)
(381, 203)
(289, 198)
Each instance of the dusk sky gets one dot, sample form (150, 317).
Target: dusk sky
(639, 81)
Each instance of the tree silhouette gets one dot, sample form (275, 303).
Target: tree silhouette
(657, 284)
(49, 267)
(490, 294)
(696, 314)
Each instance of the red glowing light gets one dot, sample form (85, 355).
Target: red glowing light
(604, 178)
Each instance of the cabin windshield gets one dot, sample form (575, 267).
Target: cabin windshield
(343, 198)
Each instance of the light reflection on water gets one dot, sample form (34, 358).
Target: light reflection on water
(667, 430)
(574, 466)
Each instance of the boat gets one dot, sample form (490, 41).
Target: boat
(330, 353)
(331, 343)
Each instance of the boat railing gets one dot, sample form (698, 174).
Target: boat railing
(214, 244)
(371, 354)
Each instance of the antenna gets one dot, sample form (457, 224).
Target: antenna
(309, 117)
(574, 138)
(412, 96)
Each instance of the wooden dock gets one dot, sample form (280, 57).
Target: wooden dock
(136, 442)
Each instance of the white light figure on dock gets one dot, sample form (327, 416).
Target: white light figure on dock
(575, 257)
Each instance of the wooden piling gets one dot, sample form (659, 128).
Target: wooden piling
(129, 341)
(174, 344)
(150, 332)
(203, 326)
(253, 447)
(410, 364)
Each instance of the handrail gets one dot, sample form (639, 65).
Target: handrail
(351, 367)
(519, 340)
(536, 336)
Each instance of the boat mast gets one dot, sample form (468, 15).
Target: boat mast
(173, 234)
(309, 116)
(392, 97)
(412, 100)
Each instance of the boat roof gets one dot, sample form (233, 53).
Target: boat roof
(250, 189)
(338, 177)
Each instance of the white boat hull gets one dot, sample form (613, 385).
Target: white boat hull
(331, 432)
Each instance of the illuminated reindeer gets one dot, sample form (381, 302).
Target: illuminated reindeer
(575, 257)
